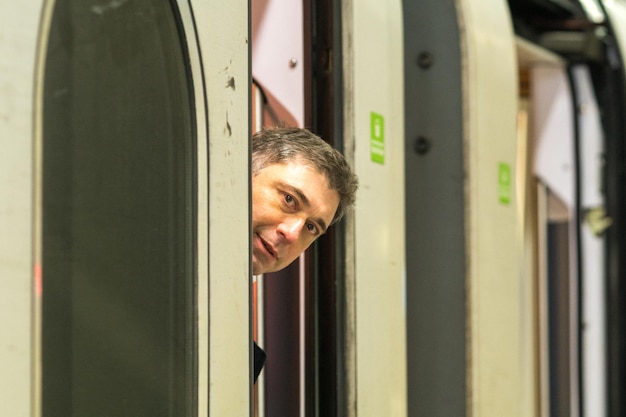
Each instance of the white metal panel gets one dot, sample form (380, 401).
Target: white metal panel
(277, 54)
(591, 139)
(377, 88)
(553, 130)
(222, 29)
(496, 315)
(19, 37)
(594, 366)
(591, 151)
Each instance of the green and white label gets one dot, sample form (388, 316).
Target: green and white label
(504, 183)
(377, 138)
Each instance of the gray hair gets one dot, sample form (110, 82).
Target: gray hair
(279, 145)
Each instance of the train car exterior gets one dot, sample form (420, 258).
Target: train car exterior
(177, 74)
(480, 273)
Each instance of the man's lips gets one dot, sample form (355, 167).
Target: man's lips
(268, 247)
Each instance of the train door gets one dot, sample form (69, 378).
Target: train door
(278, 72)
(553, 120)
(374, 131)
(567, 161)
(466, 344)
(319, 360)
(546, 220)
(569, 165)
(138, 299)
(435, 233)
(576, 108)
(296, 83)
(117, 251)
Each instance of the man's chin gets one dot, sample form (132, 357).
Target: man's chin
(258, 268)
(260, 271)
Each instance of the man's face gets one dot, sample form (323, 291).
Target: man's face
(292, 205)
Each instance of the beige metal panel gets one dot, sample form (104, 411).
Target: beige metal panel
(534, 203)
(19, 32)
(375, 117)
(224, 40)
(529, 286)
(497, 382)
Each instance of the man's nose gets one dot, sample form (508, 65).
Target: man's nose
(290, 228)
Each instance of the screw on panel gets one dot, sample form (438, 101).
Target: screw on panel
(425, 60)
(422, 145)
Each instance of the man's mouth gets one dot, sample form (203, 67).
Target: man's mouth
(268, 247)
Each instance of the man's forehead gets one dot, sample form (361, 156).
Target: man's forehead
(298, 161)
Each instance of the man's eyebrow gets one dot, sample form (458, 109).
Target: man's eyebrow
(307, 203)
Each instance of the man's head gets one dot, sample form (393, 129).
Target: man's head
(300, 186)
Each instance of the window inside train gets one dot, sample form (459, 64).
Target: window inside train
(118, 302)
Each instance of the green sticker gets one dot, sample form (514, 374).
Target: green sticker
(377, 138)
(504, 183)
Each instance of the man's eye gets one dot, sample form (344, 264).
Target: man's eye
(312, 228)
(290, 200)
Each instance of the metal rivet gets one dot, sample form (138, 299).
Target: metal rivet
(293, 62)
(425, 60)
(422, 145)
